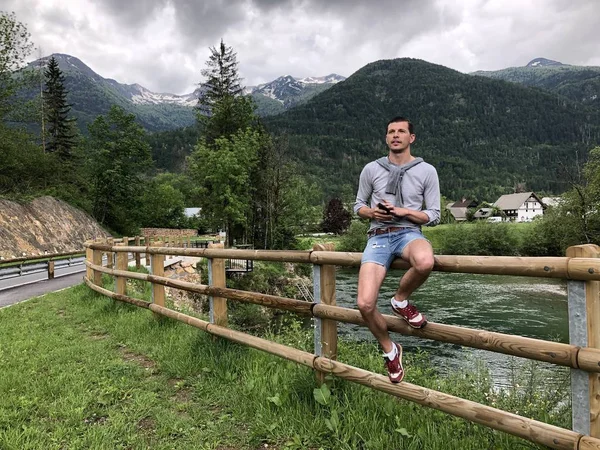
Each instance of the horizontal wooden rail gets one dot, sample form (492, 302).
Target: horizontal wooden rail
(587, 359)
(545, 267)
(532, 430)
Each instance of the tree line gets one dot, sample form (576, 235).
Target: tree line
(242, 179)
(253, 184)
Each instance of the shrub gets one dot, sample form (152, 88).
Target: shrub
(355, 239)
(480, 239)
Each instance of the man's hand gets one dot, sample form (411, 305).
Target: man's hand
(396, 211)
(380, 215)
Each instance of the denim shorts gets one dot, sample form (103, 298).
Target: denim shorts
(382, 249)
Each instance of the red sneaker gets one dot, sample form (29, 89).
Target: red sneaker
(412, 316)
(394, 366)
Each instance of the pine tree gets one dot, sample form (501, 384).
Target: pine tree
(61, 136)
(222, 78)
(222, 109)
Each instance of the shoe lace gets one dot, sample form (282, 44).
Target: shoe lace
(411, 310)
(393, 365)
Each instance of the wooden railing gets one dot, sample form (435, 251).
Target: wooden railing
(581, 267)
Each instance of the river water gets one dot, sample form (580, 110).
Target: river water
(525, 306)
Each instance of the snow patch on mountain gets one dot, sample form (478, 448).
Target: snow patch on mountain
(330, 79)
(141, 95)
(543, 62)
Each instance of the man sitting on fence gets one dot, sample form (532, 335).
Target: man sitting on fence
(391, 193)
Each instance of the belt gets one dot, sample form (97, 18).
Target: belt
(378, 231)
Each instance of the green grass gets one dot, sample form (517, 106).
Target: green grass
(307, 242)
(83, 371)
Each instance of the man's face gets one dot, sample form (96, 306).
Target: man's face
(398, 138)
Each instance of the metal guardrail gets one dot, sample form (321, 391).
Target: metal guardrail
(27, 268)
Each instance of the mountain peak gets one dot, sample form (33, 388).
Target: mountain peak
(543, 62)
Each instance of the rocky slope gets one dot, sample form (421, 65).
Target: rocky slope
(46, 225)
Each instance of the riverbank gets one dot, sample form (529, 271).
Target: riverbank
(84, 371)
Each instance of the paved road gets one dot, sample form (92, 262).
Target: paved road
(18, 294)
(40, 276)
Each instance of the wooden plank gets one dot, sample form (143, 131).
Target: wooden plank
(553, 352)
(110, 255)
(89, 273)
(121, 282)
(157, 268)
(218, 304)
(138, 256)
(148, 243)
(592, 299)
(328, 328)
(97, 261)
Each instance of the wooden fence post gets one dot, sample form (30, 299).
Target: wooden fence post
(50, 269)
(89, 257)
(110, 255)
(216, 278)
(157, 267)
(122, 263)
(97, 261)
(148, 242)
(138, 256)
(584, 331)
(167, 243)
(324, 292)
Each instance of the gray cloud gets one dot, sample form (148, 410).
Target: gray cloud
(163, 44)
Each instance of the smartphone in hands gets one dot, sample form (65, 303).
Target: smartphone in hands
(384, 208)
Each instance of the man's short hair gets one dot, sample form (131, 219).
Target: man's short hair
(411, 128)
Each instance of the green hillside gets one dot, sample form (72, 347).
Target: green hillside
(483, 135)
(92, 95)
(91, 99)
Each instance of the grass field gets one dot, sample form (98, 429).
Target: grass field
(80, 371)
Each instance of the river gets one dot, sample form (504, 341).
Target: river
(525, 306)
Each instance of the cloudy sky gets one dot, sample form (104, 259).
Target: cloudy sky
(163, 44)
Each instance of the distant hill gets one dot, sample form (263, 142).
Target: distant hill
(483, 135)
(578, 83)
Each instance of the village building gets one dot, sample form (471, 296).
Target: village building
(521, 207)
(459, 209)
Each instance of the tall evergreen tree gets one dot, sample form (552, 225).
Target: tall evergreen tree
(222, 109)
(222, 78)
(61, 135)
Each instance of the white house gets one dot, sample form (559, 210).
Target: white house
(521, 207)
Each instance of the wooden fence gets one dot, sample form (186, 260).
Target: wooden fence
(581, 267)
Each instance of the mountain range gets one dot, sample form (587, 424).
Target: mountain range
(578, 83)
(92, 95)
(483, 135)
(484, 132)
